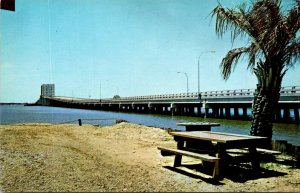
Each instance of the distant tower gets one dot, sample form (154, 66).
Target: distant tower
(47, 90)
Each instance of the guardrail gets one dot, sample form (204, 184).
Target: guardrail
(223, 93)
(194, 95)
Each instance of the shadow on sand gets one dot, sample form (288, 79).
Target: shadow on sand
(237, 173)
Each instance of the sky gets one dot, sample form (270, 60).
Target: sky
(102, 48)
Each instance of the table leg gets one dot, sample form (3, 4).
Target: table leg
(216, 172)
(177, 161)
(254, 158)
(221, 153)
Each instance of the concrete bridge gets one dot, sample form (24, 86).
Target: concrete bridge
(229, 104)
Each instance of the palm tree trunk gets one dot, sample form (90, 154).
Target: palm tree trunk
(263, 114)
(265, 101)
(263, 109)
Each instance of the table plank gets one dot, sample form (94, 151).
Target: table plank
(216, 136)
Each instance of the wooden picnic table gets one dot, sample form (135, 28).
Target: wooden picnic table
(198, 126)
(219, 143)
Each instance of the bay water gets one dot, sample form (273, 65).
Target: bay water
(10, 114)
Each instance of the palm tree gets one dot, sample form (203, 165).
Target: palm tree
(273, 47)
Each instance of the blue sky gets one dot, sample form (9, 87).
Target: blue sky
(130, 47)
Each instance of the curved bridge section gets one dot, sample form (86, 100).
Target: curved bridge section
(230, 104)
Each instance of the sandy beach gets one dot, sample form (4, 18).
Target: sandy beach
(119, 158)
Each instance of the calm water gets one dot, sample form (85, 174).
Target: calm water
(38, 114)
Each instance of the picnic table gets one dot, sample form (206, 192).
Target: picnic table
(198, 126)
(219, 143)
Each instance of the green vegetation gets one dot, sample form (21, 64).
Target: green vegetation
(273, 48)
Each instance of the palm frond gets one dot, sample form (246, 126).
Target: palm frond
(253, 51)
(293, 19)
(227, 19)
(271, 33)
(292, 53)
(229, 62)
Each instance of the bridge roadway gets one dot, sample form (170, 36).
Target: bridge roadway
(231, 104)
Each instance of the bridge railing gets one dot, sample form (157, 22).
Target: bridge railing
(209, 94)
(194, 95)
(290, 90)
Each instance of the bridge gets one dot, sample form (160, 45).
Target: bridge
(229, 104)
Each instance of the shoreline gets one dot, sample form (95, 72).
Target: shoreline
(122, 157)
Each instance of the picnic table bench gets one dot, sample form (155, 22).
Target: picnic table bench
(203, 157)
(219, 144)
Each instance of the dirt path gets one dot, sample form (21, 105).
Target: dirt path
(123, 157)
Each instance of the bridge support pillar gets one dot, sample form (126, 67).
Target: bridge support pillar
(133, 108)
(186, 110)
(221, 112)
(286, 114)
(236, 112)
(150, 109)
(154, 110)
(161, 110)
(278, 115)
(178, 110)
(190, 111)
(245, 116)
(198, 111)
(215, 112)
(296, 114)
(145, 109)
(227, 112)
(166, 110)
(172, 111)
(181, 110)
(206, 112)
(172, 107)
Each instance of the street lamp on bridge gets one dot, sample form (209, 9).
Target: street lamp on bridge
(207, 51)
(187, 81)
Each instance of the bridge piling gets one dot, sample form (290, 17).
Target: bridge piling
(286, 114)
(296, 114)
(236, 112)
(227, 112)
(221, 112)
(245, 113)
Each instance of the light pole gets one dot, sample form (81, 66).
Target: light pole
(187, 81)
(100, 92)
(207, 51)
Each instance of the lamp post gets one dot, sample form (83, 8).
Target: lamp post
(187, 81)
(100, 92)
(207, 51)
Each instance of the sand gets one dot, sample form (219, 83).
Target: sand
(119, 158)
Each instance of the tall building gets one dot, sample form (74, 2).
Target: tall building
(7, 5)
(47, 90)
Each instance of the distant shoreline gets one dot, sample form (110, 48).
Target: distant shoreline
(13, 103)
